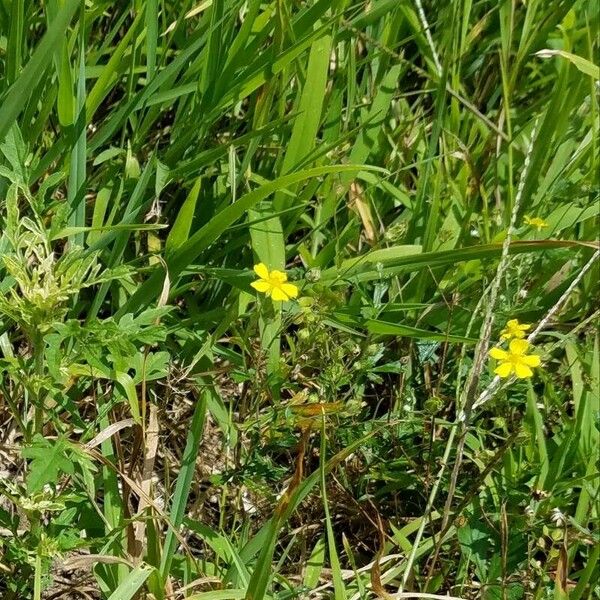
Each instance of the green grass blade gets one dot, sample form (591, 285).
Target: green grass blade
(184, 480)
(306, 124)
(66, 97)
(339, 589)
(151, 37)
(112, 70)
(77, 172)
(264, 538)
(435, 259)
(14, 43)
(13, 102)
(219, 595)
(180, 232)
(132, 584)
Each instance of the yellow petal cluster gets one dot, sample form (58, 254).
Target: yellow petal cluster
(515, 360)
(273, 284)
(536, 222)
(514, 329)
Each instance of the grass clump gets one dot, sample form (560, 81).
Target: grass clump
(299, 300)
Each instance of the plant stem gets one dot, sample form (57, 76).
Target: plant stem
(37, 581)
(38, 358)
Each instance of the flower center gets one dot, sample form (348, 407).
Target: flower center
(276, 282)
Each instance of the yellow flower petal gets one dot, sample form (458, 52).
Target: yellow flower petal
(279, 295)
(514, 329)
(290, 289)
(504, 369)
(261, 270)
(522, 370)
(518, 346)
(531, 360)
(498, 353)
(261, 286)
(273, 284)
(536, 222)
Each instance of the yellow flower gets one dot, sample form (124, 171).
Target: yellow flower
(273, 284)
(536, 222)
(515, 360)
(514, 329)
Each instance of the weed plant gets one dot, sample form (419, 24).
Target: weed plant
(299, 299)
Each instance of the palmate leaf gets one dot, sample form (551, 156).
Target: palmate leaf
(49, 460)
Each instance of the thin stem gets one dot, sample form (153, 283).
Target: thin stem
(38, 362)
(426, 28)
(429, 507)
(14, 409)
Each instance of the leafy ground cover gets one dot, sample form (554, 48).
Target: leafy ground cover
(298, 299)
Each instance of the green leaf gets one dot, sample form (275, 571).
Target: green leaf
(73, 231)
(394, 264)
(307, 122)
(583, 64)
(384, 328)
(184, 480)
(182, 226)
(315, 564)
(219, 595)
(49, 460)
(132, 583)
(109, 75)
